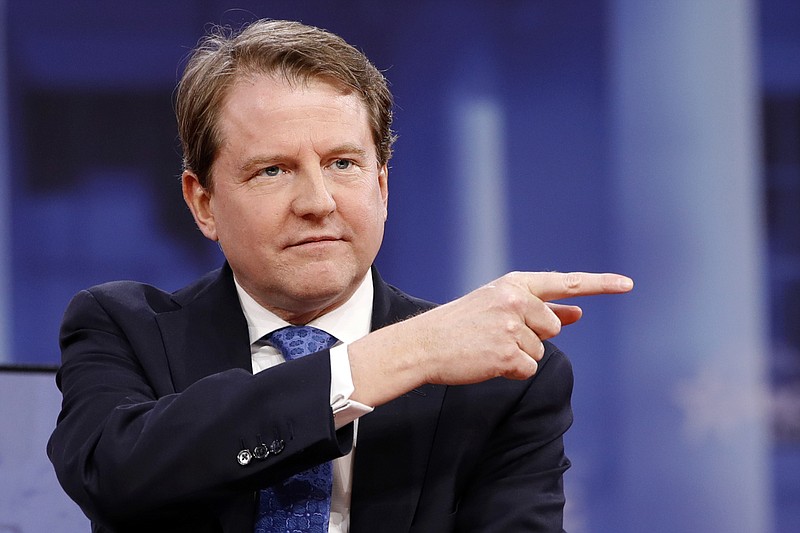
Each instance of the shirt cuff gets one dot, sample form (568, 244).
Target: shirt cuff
(344, 409)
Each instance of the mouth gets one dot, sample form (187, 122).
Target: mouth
(315, 240)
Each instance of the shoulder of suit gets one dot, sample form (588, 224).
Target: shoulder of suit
(135, 294)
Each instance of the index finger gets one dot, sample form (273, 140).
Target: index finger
(549, 286)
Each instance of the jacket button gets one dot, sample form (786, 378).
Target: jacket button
(261, 451)
(244, 457)
(277, 446)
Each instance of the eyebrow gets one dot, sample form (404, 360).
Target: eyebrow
(260, 161)
(349, 148)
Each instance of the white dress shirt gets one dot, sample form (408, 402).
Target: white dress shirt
(348, 323)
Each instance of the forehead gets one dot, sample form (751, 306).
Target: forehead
(272, 104)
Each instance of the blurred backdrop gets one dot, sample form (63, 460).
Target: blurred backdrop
(657, 139)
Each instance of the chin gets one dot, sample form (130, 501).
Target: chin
(321, 284)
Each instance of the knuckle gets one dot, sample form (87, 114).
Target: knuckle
(512, 280)
(553, 329)
(508, 354)
(549, 326)
(511, 298)
(512, 327)
(537, 352)
(572, 281)
(527, 370)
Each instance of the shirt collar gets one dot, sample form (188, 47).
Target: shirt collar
(348, 322)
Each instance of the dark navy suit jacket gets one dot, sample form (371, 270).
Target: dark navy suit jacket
(159, 399)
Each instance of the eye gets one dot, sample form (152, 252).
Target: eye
(270, 172)
(342, 164)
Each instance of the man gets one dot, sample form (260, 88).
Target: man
(179, 412)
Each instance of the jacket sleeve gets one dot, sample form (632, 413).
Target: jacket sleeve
(517, 483)
(127, 446)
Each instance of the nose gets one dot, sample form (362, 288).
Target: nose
(312, 197)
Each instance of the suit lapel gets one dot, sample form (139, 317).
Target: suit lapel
(207, 334)
(395, 440)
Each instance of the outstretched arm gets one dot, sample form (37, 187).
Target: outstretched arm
(508, 319)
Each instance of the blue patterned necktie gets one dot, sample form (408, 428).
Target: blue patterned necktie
(302, 503)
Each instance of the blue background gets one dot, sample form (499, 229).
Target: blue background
(658, 139)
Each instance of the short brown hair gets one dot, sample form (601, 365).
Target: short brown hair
(297, 51)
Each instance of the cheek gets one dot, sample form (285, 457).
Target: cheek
(378, 201)
(368, 211)
(242, 222)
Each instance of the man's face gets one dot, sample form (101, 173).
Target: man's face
(299, 201)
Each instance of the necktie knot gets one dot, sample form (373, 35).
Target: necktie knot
(297, 341)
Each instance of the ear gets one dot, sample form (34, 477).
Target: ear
(383, 184)
(199, 201)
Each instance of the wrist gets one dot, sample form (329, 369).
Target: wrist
(384, 366)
